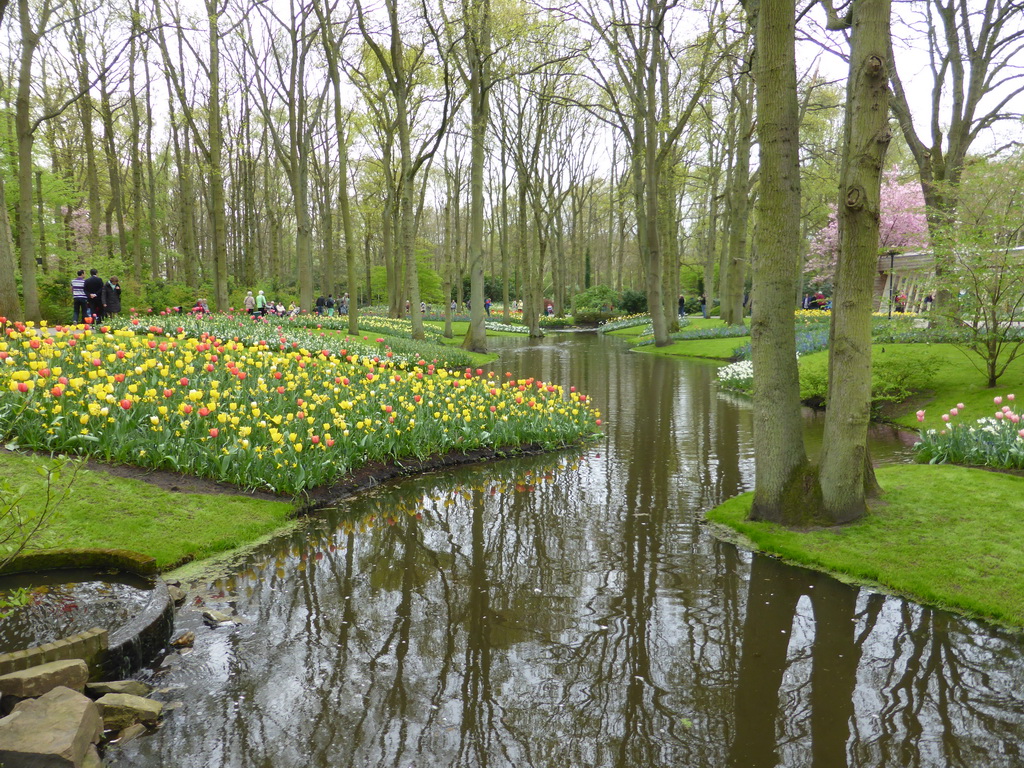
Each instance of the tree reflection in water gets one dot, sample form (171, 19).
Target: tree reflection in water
(570, 610)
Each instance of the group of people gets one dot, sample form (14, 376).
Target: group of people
(817, 301)
(94, 299)
(260, 306)
(327, 305)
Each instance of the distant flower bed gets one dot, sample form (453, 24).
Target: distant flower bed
(506, 328)
(259, 406)
(813, 315)
(717, 332)
(992, 441)
(629, 321)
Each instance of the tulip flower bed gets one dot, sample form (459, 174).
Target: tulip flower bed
(387, 326)
(992, 441)
(282, 333)
(261, 413)
(629, 321)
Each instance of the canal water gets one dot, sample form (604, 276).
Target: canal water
(571, 610)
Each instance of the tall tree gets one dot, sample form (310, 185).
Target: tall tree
(402, 64)
(783, 477)
(333, 32)
(282, 73)
(209, 141)
(974, 50)
(633, 74)
(845, 467)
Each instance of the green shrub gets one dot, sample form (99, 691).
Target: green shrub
(593, 316)
(634, 302)
(892, 381)
(597, 297)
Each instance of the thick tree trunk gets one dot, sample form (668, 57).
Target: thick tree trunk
(783, 481)
(22, 120)
(218, 214)
(92, 181)
(739, 210)
(844, 453)
(478, 44)
(10, 305)
(136, 166)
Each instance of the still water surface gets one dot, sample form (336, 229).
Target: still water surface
(571, 610)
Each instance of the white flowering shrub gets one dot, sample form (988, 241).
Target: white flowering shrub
(737, 377)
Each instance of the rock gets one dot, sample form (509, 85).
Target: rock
(35, 681)
(134, 687)
(58, 729)
(177, 594)
(185, 640)
(120, 710)
(216, 618)
(92, 759)
(131, 732)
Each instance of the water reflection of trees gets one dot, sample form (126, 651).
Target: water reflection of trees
(569, 611)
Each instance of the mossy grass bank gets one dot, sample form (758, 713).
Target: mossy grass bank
(103, 510)
(941, 535)
(712, 349)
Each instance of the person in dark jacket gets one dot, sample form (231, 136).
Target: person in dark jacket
(94, 293)
(112, 297)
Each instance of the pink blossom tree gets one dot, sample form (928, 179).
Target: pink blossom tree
(903, 227)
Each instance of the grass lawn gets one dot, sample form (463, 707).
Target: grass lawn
(954, 380)
(114, 512)
(714, 349)
(631, 331)
(923, 539)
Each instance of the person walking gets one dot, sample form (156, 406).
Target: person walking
(94, 292)
(682, 305)
(112, 297)
(320, 305)
(261, 304)
(79, 301)
(249, 302)
(330, 305)
(343, 305)
(487, 305)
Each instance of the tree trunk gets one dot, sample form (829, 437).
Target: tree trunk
(22, 120)
(218, 214)
(739, 210)
(92, 181)
(10, 305)
(782, 480)
(844, 457)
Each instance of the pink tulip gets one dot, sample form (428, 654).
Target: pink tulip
(954, 412)
(997, 400)
(1006, 409)
(1014, 418)
(1009, 397)
(999, 414)
(960, 406)
(1021, 433)
(920, 415)
(945, 416)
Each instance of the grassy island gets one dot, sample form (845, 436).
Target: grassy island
(942, 535)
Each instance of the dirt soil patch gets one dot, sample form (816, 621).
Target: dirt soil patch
(365, 477)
